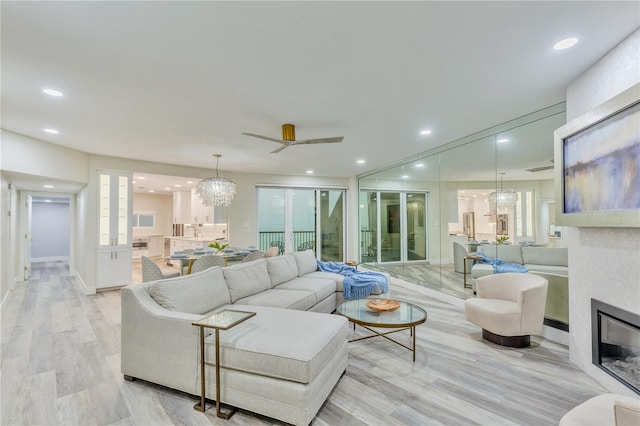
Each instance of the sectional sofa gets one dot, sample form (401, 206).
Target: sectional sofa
(282, 363)
(550, 262)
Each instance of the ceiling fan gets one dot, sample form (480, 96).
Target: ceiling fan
(289, 138)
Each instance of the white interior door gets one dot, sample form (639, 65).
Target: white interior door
(27, 237)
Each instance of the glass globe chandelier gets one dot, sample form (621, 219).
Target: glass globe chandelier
(216, 191)
(503, 199)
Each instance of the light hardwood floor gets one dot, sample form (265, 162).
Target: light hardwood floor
(61, 365)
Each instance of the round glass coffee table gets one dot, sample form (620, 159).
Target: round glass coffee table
(406, 317)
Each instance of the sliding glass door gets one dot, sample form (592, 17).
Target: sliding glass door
(393, 226)
(296, 219)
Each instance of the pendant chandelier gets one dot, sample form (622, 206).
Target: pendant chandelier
(216, 191)
(503, 199)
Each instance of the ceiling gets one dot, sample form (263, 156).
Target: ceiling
(175, 82)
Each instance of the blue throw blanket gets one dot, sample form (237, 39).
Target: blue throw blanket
(357, 284)
(499, 266)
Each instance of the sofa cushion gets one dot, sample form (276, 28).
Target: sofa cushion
(547, 269)
(510, 253)
(195, 294)
(246, 279)
(299, 300)
(552, 256)
(281, 343)
(282, 269)
(321, 288)
(306, 261)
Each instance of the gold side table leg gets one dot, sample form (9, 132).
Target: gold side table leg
(219, 412)
(200, 405)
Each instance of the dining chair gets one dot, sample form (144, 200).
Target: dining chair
(254, 255)
(152, 272)
(278, 244)
(272, 252)
(307, 245)
(206, 262)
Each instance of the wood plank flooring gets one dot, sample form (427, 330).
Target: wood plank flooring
(61, 366)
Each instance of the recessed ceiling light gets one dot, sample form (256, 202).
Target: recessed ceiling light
(189, 182)
(474, 195)
(47, 186)
(177, 185)
(425, 132)
(405, 176)
(52, 92)
(52, 131)
(151, 190)
(141, 177)
(565, 44)
(133, 181)
(309, 172)
(47, 201)
(167, 189)
(360, 161)
(419, 165)
(503, 140)
(462, 192)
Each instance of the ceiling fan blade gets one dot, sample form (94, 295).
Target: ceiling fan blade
(539, 169)
(264, 137)
(319, 140)
(277, 150)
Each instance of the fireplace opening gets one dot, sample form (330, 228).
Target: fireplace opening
(616, 343)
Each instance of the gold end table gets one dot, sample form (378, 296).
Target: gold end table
(223, 320)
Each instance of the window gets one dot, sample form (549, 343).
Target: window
(524, 214)
(144, 220)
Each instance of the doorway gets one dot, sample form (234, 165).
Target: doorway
(393, 226)
(296, 219)
(47, 229)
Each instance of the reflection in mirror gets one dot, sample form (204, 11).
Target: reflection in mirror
(419, 219)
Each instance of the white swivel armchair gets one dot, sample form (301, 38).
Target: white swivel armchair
(509, 307)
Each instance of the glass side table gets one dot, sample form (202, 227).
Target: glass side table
(223, 320)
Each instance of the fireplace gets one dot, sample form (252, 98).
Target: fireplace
(616, 343)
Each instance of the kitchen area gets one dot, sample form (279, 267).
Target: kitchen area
(170, 220)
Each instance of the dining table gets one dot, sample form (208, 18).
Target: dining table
(187, 259)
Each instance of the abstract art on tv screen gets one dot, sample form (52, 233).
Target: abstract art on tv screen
(601, 165)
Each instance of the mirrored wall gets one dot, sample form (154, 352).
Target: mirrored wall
(419, 218)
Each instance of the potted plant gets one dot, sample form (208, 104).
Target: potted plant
(502, 239)
(218, 246)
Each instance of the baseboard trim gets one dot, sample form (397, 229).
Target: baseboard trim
(82, 286)
(49, 259)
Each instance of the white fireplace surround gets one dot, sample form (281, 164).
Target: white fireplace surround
(603, 262)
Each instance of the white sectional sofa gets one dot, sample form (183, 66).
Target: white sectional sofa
(282, 363)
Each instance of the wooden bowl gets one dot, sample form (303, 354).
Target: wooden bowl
(383, 305)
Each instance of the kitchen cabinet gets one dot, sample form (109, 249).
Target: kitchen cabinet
(199, 212)
(114, 252)
(182, 206)
(185, 243)
(156, 245)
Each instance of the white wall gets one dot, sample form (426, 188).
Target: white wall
(162, 206)
(603, 262)
(26, 155)
(50, 231)
(8, 233)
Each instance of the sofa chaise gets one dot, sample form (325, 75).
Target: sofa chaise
(282, 363)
